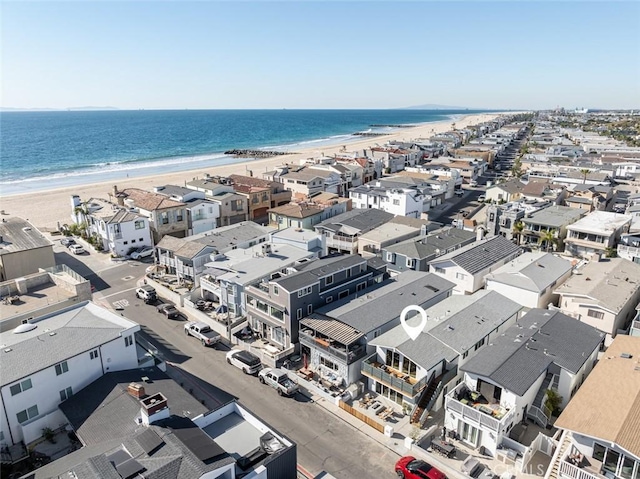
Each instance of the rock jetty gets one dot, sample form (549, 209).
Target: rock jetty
(368, 133)
(256, 153)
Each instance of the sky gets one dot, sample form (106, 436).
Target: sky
(320, 54)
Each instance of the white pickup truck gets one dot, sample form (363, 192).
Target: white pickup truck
(203, 332)
(279, 380)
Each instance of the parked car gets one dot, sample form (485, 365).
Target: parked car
(169, 310)
(147, 293)
(245, 360)
(471, 466)
(473, 183)
(482, 198)
(67, 241)
(408, 467)
(76, 249)
(279, 380)
(202, 331)
(143, 252)
(459, 192)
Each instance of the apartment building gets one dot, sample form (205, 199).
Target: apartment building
(597, 232)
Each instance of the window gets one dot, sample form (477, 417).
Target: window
(598, 451)
(179, 214)
(348, 273)
(24, 416)
(277, 335)
(299, 314)
(479, 344)
(389, 257)
(310, 309)
(66, 394)
(595, 314)
(128, 341)
(343, 294)
(460, 276)
(411, 263)
(93, 354)
(328, 364)
(164, 218)
(141, 239)
(465, 355)
(329, 299)
(125, 242)
(328, 280)
(393, 359)
(439, 270)
(396, 202)
(62, 368)
(133, 241)
(276, 290)
(20, 387)
(305, 291)
(139, 225)
(276, 313)
(360, 286)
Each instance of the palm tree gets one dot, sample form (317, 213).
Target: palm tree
(518, 226)
(584, 172)
(547, 238)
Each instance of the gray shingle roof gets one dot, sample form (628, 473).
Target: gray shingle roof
(385, 303)
(517, 358)
(482, 254)
(356, 219)
(313, 271)
(533, 271)
(426, 246)
(57, 338)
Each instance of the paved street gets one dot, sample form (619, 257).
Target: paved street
(325, 442)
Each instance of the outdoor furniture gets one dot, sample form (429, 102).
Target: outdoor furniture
(444, 448)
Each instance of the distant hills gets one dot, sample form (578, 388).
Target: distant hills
(433, 106)
(75, 108)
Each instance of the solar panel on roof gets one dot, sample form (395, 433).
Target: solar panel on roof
(129, 468)
(149, 440)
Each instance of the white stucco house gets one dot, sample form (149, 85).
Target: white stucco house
(48, 359)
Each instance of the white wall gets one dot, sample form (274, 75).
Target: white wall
(528, 299)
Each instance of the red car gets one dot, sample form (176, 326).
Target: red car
(408, 467)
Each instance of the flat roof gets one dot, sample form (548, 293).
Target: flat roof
(554, 216)
(389, 232)
(607, 405)
(18, 234)
(600, 222)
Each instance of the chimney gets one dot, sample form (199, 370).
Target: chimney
(115, 191)
(154, 408)
(136, 390)
(479, 233)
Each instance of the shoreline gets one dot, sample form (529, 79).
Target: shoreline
(46, 208)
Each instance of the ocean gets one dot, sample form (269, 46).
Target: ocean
(46, 150)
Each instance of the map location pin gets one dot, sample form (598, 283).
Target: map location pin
(413, 331)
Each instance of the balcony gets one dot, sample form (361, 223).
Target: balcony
(393, 378)
(210, 284)
(342, 242)
(333, 348)
(475, 409)
(628, 252)
(569, 470)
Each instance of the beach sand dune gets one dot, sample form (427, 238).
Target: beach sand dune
(47, 209)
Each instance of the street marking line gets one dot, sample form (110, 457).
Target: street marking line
(119, 292)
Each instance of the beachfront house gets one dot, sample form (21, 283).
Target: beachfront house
(118, 229)
(395, 200)
(602, 293)
(530, 279)
(342, 231)
(507, 381)
(261, 195)
(468, 266)
(202, 214)
(415, 373)
(50, 358)
(186, 257)
(23, 249)
(599, 426)
(598, 232)
(166, 216)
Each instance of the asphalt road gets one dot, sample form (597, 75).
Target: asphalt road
(324, 441)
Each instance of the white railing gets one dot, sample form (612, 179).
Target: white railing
(469, 413)
(568, 470)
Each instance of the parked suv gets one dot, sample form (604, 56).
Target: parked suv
(142, 252)
(169, 310)
(245, 360)
(279, 380)
(147, 293)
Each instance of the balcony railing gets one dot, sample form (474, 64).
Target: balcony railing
(628, 250)
(327, 346)
(568, 470)
(409, 387)
(472, 414)
(210, 284)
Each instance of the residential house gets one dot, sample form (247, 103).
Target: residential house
(467, 267)
(342, 231)
(598, 232)
(261, 195)
(49, 358)
(23, 249)
(278, 195)
(186, 257)
(166, 216)
(119, 229)
(394, 159)
(603, 294)
(398, 201)
(349, 172)
(233, 206)
(308, 213)
(502, 220)
(589, 197)
(456, 329)
(348, 325)
(276, 306)
(415, 253)
(304, 180)
(202, 214)
(143, 423)
(553, 220)
(507, 381)
(530, 279)
(629, 247)
(505, 192)
(372, 242)
(600, 424)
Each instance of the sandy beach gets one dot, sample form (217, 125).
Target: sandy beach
(45, 209)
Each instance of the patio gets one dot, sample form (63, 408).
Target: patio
(477, 401)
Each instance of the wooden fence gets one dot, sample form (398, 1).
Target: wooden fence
(363, 417)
